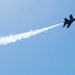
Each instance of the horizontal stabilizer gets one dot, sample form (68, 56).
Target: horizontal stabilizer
(66, 19)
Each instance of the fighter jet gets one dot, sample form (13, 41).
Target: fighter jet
(68, 21)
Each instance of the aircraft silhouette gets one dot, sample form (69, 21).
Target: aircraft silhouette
(68, 21)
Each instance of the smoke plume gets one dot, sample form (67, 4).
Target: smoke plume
(13, 38)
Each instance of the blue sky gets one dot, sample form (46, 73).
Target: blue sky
(48, 53)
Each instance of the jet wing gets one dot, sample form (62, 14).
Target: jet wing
(71, 17)
(68, 25)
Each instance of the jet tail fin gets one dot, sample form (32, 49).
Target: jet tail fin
(71, 17)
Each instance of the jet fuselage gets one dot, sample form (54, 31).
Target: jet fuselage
(70, 21)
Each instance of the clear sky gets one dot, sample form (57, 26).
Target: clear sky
(48, 53)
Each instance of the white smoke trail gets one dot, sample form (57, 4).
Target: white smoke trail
(13, 38)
